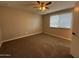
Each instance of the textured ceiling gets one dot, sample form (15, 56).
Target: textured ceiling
(28, 5)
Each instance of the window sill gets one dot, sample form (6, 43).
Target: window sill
(60, 28)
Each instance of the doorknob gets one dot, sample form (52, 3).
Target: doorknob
(73, 33)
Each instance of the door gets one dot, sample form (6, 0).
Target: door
(75, 32)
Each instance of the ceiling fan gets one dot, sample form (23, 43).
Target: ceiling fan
(41, 5)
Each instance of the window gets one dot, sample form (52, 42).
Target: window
(61, 21)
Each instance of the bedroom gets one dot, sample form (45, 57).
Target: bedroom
(28, 31)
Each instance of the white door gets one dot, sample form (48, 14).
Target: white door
(75, 32)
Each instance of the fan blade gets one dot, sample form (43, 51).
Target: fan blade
(35, 7)
(47, 8)
(38, 2)
(48, 3)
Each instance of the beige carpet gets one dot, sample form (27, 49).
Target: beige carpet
(41, 45)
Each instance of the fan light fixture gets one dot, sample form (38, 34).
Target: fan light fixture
(42, 5)
(42, 8)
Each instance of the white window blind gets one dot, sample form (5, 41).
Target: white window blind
(61, 20)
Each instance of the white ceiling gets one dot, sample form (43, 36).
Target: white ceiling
(28, 5)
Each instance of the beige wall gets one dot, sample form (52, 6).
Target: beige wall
(63, 33)
(0, 36)
(16, 23)
(0, 31)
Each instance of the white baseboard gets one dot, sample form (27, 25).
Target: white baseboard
(20, 37)
(58, 36)
(33, 34)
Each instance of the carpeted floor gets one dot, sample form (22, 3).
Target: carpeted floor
(37, 46)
